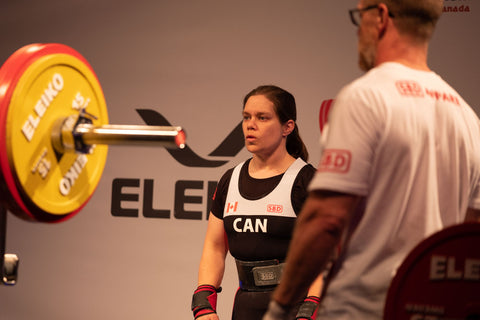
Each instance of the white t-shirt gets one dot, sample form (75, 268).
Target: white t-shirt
(410, 144)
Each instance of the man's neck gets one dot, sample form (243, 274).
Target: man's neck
(404, 51)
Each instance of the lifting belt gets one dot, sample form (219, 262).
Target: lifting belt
(259, 275)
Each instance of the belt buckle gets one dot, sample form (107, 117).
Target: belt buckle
(267, 275)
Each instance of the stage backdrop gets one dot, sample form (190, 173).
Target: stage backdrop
(191, 62)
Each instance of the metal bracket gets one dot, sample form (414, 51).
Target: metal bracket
(8, 261)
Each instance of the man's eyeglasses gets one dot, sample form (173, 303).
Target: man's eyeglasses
(356, 14)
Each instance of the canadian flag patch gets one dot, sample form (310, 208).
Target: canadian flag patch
(232, 206)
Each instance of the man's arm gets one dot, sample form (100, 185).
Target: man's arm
(473, 215)
(319, 228)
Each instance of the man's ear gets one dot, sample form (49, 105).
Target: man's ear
(383, 18)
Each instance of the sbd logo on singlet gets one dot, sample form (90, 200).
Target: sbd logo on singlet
(275, 208)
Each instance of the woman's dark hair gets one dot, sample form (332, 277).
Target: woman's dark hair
(285, 108)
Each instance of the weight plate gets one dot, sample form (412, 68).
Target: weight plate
(323, 113)
(440, 278)
(49, 84)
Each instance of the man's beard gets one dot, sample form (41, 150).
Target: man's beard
(367, 56)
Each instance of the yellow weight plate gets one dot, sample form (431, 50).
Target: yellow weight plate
(54, 87)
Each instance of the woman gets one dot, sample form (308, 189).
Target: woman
(254, 210)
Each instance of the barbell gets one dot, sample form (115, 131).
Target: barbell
(55, 134)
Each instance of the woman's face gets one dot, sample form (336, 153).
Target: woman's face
(262, 129)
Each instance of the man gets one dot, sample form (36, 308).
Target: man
(400, 161)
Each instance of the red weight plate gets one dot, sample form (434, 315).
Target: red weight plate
(10, 72)
(440, 278)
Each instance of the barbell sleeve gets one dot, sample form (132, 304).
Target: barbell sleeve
(165, 136)
(74, 134)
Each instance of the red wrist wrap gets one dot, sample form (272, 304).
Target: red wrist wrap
(204, 300)
(308, 309)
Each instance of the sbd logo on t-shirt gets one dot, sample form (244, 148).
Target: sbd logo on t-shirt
(335, 160)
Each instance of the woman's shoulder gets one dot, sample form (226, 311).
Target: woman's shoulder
(308, 168)
(306, 173)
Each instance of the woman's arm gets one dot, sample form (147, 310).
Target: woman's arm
(211, 270)
(316, 286)
(215, 248)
